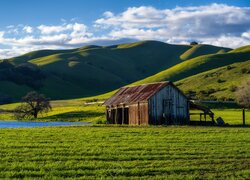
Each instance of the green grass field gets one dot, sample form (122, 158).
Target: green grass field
(230, 116)
(68, 110)
(77, 110)
(131, 152)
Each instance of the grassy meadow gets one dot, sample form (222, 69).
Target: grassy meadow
(110, 152)
(86, 110)
(68, 110)
(125, 152)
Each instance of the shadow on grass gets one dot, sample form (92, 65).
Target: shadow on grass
(74, 116)
(235, 125)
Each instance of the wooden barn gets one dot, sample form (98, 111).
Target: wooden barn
(156, 103)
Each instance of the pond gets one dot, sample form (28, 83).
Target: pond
(19, 124)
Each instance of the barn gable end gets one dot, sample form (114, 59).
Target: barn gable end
(168, 106)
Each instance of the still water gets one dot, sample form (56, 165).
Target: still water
(19, 124)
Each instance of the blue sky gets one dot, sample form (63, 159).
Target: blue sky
(52, 11)
(28, 25)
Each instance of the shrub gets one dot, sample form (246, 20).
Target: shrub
(229, 67)
(190, 93)
(211, 91)
(222, 98)
(221, 81)
(244, 70)
(212, 98)
(193, 43)
(101, 122)
(233, 88)
(206, 76)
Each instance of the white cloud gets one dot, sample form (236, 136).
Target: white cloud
(246, 35)
(28, 29)
(216, 24)
(61, 28)
(1, 34)
(108, 14)
(15, 51)
(53, 29)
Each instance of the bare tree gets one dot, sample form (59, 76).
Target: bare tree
(243, 94)
(32, 104)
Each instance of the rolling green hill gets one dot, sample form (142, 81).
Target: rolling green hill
(36, 54)
(89, 70)
(93, 70)
(217, 84)
(242, 49)
(197, 65)
(201, 49)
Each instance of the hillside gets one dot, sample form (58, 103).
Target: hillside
(88, 71)
(241, 49)
(197, 65)
(202, 49)
(217, 84)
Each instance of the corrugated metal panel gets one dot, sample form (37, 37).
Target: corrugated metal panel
(134, 94)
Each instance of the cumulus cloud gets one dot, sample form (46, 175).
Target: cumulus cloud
(61, 28)
(28, 29)
(216, 24)
(53, 29)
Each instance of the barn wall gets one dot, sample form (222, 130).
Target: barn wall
(138, 113)
(168, 105)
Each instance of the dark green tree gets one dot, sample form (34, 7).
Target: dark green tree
(193, 43)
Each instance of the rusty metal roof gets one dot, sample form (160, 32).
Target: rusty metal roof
(134, 94)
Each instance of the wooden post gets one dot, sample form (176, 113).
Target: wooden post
(116, 115)
(213, 118)
(139, 113)
(123, 108)
(205, 116)
(243, 117)
(107, 116)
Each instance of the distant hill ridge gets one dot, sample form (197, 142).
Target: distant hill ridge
(93, 70)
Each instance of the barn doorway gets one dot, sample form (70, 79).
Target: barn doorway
(119, 116)
(122, 116)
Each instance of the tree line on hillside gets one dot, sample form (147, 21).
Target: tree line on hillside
(22, 74)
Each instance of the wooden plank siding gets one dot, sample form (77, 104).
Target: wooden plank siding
(179, 107)
(138, 113)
